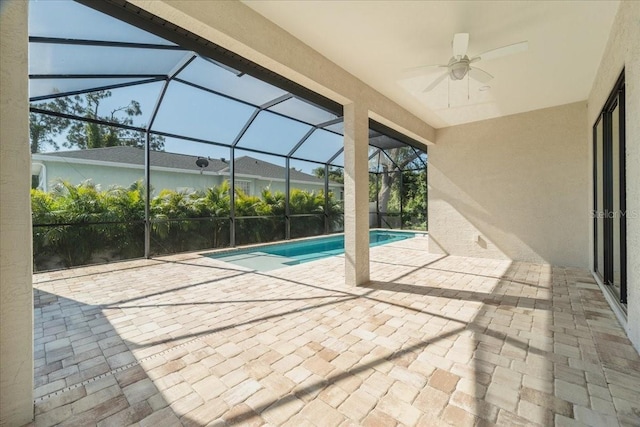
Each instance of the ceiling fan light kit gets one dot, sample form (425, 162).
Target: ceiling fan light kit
(458, 68)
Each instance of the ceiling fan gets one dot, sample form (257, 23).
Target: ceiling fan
(459, 65)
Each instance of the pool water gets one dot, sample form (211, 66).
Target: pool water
(273, 256)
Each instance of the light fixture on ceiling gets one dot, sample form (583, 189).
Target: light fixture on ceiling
(460, 65)
(458, 68)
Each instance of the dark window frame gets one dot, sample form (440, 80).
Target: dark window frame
(615, 100)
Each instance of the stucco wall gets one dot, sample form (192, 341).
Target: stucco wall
(356, 184)
(100, 175)
(107, 176)
(623, 51)
(177, 180)
(515, 187)
(16, 295)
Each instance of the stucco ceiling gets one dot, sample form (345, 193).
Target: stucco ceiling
(377, 40)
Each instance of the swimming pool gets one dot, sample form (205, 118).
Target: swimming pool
(279, 255)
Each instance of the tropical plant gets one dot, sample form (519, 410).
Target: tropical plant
(77, 223)
(259, 225)
(73, 212)
(217, 200)
(414, 198)
(311, 205)
(391, 163)
(125, 209)
(336, 174)
(172, 225)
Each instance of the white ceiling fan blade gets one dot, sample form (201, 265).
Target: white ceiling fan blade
(502, 51)
(435, 83)
(460, 44)
(479, 75)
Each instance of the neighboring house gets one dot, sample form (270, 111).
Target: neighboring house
(123, 166)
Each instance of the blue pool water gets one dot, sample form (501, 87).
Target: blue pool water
(270, 257)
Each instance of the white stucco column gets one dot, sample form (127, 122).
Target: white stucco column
(16, 295)
(356, 197)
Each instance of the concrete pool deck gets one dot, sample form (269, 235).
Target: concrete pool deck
(432, 340)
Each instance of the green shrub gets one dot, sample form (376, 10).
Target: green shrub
(77, 223)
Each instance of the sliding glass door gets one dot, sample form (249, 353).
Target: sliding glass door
(609, 213)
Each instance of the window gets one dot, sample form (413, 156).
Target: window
(245, 186)
(609, 210)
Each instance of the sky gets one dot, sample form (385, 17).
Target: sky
(184, 110)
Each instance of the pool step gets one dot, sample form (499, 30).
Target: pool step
(260, 261)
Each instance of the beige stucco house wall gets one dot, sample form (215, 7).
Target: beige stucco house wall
(107, 174)
(515, 188)
(623, 51)
(16, 294)
(520, 187)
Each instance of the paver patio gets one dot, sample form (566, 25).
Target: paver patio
(432, 340)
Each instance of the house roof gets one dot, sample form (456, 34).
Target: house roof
(250, 166)
(135, 156)
(244, 165)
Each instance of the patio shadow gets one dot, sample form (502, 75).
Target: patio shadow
(84, 372)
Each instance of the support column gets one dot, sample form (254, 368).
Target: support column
(16, 293)
(232, 197)
(356, 198)
(326, 199)
(147, 194)
(287, 199)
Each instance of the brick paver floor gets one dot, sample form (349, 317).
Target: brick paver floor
(432, 340)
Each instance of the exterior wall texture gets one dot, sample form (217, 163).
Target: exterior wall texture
(515, 187)
(16, 294)
(104, 176)
(107, 176)
(623, 51)
(356, 183)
